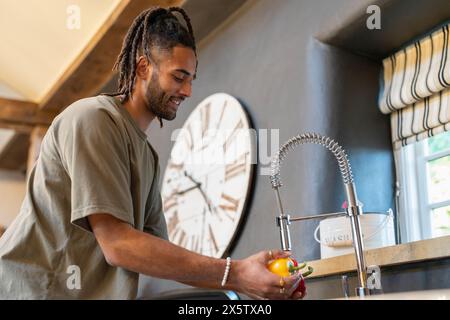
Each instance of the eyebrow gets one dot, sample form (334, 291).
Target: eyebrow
(186, 72)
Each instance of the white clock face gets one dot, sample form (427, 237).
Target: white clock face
(207, 181)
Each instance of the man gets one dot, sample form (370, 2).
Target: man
(92, 217)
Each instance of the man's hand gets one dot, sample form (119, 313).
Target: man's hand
(298, 295)
(252, 277)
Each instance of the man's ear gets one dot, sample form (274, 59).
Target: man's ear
(143, 68)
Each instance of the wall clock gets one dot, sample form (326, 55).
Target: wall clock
(208, 179)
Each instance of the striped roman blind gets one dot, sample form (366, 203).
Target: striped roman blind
(416, 89)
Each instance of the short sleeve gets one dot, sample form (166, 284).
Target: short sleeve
(95, 155)
(155, 221)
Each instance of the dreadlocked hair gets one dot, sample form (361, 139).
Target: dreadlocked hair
(153, 28)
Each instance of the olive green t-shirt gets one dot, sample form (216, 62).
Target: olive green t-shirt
(93, 159)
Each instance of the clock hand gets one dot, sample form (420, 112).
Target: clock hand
(208, 202)
(197, 185)
(185, 174)
(211, 207)
(206, 199)
(190, 178)
(202, 234)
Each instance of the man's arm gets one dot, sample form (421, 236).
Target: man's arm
(128, 248)
(131, 249)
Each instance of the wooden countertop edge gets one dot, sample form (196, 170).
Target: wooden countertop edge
(417, 251)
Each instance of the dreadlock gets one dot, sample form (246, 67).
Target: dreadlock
(153, 28)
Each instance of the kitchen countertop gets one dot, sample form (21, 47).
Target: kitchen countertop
(439, 294)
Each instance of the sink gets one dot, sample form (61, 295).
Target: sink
(440, 294)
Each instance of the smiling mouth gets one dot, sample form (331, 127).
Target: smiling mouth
(175, 102)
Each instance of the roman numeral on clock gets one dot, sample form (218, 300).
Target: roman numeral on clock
(178, 235)
(173, 222)
(176, 166)
(232, 136)
(182, 239)
(188, 139)
(195, 243)
(231, 204)
(219, 123)
(213, 241)
(236, 168)
(205, 114)
(169, 202)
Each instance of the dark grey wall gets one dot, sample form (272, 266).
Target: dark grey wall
(267, 56)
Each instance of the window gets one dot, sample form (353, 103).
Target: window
(436, 166)
(416, 95)
(425, 177)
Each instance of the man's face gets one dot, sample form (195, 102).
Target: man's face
(171, 81)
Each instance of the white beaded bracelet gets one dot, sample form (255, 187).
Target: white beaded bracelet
(227, 271)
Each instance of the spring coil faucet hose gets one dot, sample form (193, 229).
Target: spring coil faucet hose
(330, 144)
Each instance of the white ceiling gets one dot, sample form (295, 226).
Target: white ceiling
(37, 45)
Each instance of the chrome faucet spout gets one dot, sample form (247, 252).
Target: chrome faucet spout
(353, 210)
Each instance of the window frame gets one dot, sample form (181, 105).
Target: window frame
(414, 175)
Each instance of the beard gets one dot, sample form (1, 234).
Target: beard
(157, 100)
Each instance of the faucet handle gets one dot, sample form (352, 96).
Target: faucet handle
(344, 282)
(374, 279)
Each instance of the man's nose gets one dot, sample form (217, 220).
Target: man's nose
(186, 89)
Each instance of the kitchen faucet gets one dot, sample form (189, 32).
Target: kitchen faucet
(353, 209)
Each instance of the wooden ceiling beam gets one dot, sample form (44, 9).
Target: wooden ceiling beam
(18, 128)
(14, 155)
(23, 113)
